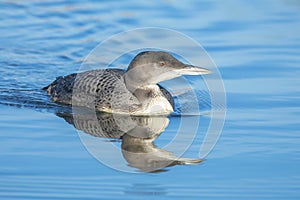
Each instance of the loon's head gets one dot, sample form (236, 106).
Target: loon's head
(152, 67)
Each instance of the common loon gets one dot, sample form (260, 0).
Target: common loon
(134, 91)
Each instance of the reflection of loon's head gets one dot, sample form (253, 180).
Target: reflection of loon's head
(151, 67)
(143, 154)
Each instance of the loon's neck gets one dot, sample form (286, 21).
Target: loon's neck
(152, 100)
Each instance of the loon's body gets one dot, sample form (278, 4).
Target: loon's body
(105, 90)
(134, 91)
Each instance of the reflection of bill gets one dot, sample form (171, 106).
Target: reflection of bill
(138, 146)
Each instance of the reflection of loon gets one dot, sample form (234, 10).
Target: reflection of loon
(137, 134)
(135, 91)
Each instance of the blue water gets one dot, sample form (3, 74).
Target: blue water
(256, 46)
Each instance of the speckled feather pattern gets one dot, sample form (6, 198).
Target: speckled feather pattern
(101, 89)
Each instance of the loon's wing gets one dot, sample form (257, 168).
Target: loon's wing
(95, 88)
(83, 87)
(86, 87)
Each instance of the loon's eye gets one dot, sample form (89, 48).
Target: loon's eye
(162, 63)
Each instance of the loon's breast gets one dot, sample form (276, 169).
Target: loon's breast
(106, 91)
(153, 101)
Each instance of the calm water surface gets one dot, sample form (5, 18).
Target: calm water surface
(256, 46)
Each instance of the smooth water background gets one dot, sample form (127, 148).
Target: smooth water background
(255, 44)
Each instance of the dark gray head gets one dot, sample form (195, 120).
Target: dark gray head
(151, 67)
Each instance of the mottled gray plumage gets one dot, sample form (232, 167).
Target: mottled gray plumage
(95, 88)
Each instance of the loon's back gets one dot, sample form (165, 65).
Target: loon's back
(102, 89)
